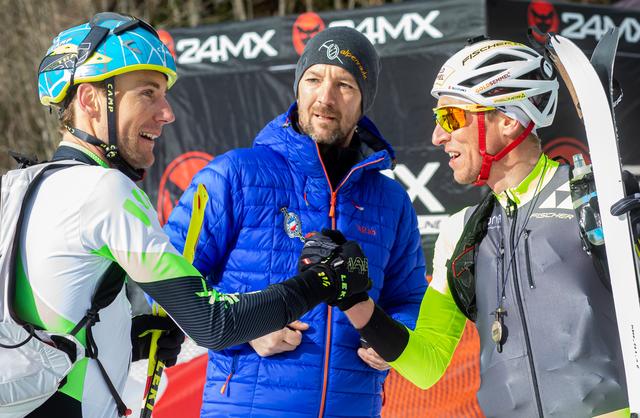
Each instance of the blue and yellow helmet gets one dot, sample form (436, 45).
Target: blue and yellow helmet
(108, 45)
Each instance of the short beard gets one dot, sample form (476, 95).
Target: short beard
(335, 138)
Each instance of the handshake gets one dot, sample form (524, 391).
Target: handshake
(338, 267)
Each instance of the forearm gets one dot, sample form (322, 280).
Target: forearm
(385, 335)
(421, 356)
(217, 321)
(431, 346)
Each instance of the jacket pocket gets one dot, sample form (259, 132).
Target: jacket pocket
(527, 257)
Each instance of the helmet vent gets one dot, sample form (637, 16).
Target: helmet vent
(528, 52)
(474, 81)
(501, 90)
(540, 101)
(501, 58)
(531, 75)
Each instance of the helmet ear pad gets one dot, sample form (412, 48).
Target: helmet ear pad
(501, 74)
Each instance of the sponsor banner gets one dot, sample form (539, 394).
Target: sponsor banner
(223, 105)
(227, 46)
(584, 25)
(275, 43)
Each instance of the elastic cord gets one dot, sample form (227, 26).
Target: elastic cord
(488, 159)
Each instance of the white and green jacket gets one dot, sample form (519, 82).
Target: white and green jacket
(83, 218)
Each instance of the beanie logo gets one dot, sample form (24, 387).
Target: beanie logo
(356, 61)
(333, 50)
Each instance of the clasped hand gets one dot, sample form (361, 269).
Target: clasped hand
(345, 265)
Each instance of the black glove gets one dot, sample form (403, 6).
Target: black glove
(168, 344)
(319, 246)
(323, 246)
(343, 274)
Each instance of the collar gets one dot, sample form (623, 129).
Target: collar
(535, 181)
(70, 151)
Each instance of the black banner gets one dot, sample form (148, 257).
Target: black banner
(236, 77)
(584, 25)
(275, 43)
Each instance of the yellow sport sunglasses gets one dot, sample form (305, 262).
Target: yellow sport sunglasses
(452, 117)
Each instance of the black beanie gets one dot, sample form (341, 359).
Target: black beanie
(347, 48)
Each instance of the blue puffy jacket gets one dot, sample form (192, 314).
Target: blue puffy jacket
(261, 200)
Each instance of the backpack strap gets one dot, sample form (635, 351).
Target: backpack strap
(12, 255)
(109, 287)
(461, 266)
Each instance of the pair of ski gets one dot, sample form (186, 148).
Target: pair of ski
(591, 87)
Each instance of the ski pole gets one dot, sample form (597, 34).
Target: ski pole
(156, 367)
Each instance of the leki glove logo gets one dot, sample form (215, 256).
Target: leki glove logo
(358, 264)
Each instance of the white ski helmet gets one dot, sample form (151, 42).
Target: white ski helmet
(501, 74)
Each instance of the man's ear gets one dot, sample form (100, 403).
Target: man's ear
(89, 100)
(510, 128)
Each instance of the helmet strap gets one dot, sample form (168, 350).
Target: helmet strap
(111, 152)
(489, 159)
(110, 84)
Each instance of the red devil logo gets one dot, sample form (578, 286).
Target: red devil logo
(542, 15)
(176, 179)
(563, 148)
(306, 26)
(167, 39)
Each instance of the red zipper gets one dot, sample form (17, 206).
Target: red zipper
(332, 215)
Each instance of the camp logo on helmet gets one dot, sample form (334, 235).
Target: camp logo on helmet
(306, 26)
(333, 50)
(542, 15)
(110, 94)
(292, 224)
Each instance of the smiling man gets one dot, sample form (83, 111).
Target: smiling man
(514, 264)
(316, 166)
(89, 221)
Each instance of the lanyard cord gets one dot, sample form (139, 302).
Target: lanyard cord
(501, 293)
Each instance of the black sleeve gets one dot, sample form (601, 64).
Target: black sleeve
(216, 321)
(385, 335)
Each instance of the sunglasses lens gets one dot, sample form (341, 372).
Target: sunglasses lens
(449, 118)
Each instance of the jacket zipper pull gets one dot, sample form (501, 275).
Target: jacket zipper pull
(223, 389)
(332, 209)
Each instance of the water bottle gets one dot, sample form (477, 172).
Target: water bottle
(585, 200)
